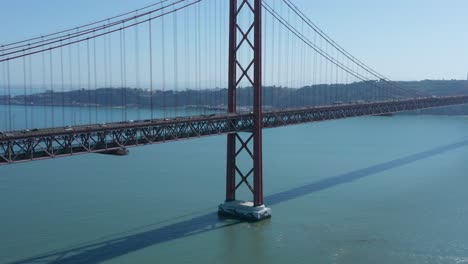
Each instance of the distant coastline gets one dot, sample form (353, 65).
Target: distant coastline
(216, 99)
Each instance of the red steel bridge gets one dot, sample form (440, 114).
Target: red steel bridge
(238, 65)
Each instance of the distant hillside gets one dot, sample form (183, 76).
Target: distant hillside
(440, 88)
(437, 87)
(273, 96)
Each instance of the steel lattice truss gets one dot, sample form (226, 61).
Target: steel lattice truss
(21, 146)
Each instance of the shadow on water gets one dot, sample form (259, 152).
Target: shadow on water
(111, 248)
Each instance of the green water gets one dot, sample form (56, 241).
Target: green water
(363, 190)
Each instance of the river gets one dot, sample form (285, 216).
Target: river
(361, 190)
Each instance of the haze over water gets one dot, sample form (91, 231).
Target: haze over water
(362, 190)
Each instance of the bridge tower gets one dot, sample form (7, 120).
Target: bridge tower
(239, 71)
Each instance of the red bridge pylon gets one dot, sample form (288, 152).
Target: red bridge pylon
(241, 71)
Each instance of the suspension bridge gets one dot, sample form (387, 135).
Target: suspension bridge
(181, 69)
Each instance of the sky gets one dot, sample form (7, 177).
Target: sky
(402, 39)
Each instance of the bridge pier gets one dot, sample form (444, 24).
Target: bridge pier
(256, 210)
(244, 210)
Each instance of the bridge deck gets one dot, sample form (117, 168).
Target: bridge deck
(22, 146)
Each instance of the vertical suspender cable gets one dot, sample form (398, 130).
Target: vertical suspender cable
(163, 53)
(121, 76)
(211, 59)
(332, 75)
(4, 85)
(272, 58)
(44, 87)
(294, 67)
(304, 54)
(151, 65)
(327, 87)
(89, 82)
(342, 84)
(320, 81)
(30, 90)
(62, 97)
(25, 94)
(314, 72)
(80, 99)
(217, 41)
(125, 72)
(176, 68)
(280, 73)
(106, 83)
(222, 98)
(288, 64)
(70, 79)
(331, 93)
(264, 59)
(187, 60)
(205, 56)
(52, 102)
(215, 52)
(344, 81)
(111, 83)
(336, 78)
(10, 125)
(198, 57)
(95, 81)
(137, 71)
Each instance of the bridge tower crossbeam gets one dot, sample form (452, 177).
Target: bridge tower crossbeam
(255, 210)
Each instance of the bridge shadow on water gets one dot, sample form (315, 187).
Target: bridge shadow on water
(96, 252)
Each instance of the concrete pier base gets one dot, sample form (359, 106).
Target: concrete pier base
(244, 210)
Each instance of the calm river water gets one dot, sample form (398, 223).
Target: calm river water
(362, 190)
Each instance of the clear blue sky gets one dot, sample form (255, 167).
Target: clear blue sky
(403, 39)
